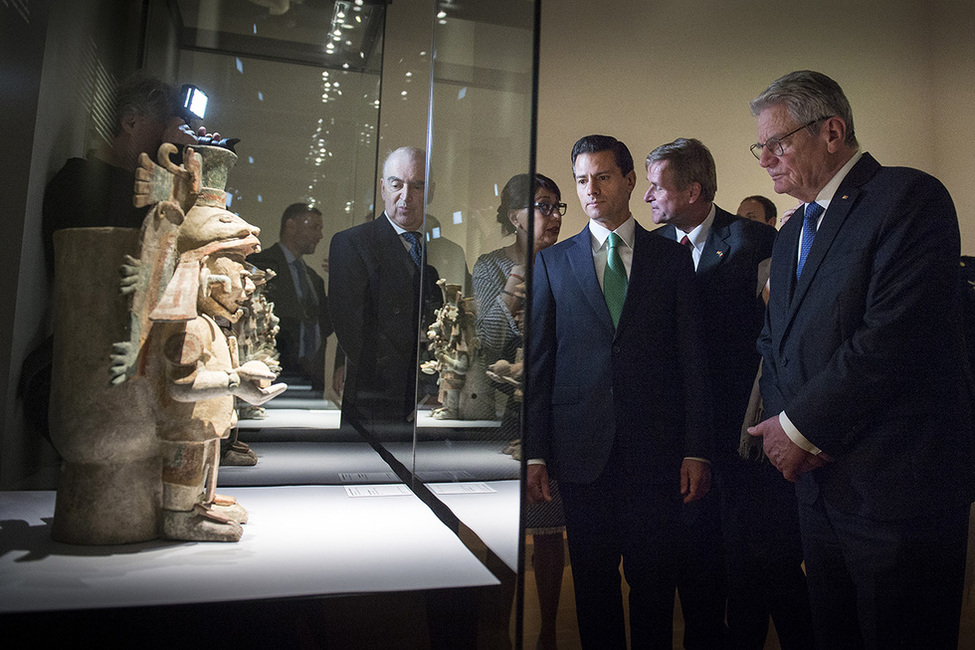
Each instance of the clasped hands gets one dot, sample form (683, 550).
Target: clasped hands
(785, 455)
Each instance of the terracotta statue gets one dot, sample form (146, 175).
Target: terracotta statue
(192, 365)
(256, 333)
(457, 358)
(140, 429)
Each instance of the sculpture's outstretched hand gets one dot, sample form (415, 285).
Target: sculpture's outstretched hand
(252, 393)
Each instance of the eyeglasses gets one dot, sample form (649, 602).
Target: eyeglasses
(774, 145)
(548, 208)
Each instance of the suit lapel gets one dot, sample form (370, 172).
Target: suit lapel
(717, 245)
(833, 220)
(285, 293)
(639, 267)
(579, 256)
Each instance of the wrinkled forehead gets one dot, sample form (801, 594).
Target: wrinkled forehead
(405, 166)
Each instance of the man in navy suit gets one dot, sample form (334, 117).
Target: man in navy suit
(864, 376)
(750, 519)
(298, 294)
(617, 401)
(376, 273)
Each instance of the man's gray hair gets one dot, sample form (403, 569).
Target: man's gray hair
(808, 96)
(690, 162)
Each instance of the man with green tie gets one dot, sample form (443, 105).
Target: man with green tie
(617, 401)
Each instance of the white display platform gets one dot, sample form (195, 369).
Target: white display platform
(309, 463)
(294, 418)
(302, 541)
(280, 417)
(491, 509)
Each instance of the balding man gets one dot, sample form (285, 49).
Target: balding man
(376, 271)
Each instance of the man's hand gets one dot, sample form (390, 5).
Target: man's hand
(538, 490)
(695, 479)
(787, 456)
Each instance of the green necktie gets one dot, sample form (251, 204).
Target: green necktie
(614, 279)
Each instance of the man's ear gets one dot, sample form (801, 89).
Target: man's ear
(835, 131)
(630, 180)
(130, 121)
(694, 190)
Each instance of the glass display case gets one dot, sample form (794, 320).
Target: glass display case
(321, 95)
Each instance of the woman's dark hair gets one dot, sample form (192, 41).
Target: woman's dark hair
(519, 192)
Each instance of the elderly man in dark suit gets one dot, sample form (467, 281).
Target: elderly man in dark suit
(617, 401)
(298, 294)
(376, 271)
(864, 376)
(750, 519)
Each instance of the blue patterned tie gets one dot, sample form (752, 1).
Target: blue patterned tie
(614, 279)
(416, 247)
(809, 222)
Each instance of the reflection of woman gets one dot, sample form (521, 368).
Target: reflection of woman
(499, 281)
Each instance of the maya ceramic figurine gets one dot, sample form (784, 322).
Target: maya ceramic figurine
(457, 359)
(139, 429)
(256, 334)
(191, 364)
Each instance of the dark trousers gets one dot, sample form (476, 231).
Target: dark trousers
(613, 518)
(701, 578)
(760, 522)
(885, 584)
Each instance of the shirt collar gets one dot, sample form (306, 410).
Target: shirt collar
(398, 228)
(289, 257)
(699, 235)
(598, 233)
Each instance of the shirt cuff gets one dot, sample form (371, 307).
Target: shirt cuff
(800, 440)
(703, 460)
(536, 461)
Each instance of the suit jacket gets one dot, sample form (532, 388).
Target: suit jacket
(865, 352)
(641, 387)
(728, 282)
(291, 312)
(374, 287)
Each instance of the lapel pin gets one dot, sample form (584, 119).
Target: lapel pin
(720, 253)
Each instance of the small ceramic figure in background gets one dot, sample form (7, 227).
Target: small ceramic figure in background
(456, 351)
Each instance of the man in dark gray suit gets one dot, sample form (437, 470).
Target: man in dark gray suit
(376, 271)
(750, 520)
(864, 376)
(617, 401)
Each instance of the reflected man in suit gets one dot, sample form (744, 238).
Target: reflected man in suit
(298, 294)
(376, 271)
(750, 518)
(617, 401)
(864, 375)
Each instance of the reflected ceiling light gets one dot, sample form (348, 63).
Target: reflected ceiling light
(441, 14)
